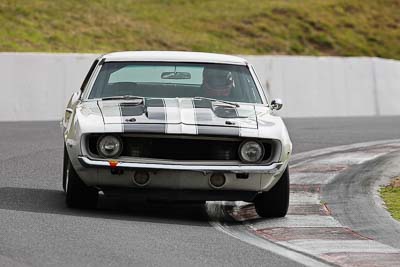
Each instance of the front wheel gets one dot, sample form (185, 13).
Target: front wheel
(275, 202)
(65, 165)
(78, 195)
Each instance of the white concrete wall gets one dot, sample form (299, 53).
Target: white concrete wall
(331, 86)
(37, 86)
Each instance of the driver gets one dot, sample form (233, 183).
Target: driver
(217, 83)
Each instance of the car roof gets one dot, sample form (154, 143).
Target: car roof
(174, 56)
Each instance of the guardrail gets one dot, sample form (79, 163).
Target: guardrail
(36, 86)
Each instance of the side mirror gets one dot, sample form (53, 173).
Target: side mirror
(276, 104)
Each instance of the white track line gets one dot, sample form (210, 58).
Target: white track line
(291, 221)
(321, 246)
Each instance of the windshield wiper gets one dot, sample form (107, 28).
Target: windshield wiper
(217, 100)
(124, 97)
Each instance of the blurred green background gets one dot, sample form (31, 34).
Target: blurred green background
(308, 27)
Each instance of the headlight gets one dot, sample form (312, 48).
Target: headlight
(109, 146)
(251, 151)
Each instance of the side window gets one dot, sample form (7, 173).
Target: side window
(86, 80)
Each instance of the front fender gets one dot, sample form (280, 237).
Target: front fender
(85, 118)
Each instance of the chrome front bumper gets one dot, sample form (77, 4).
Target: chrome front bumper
(100, 163)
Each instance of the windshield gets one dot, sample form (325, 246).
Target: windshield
(171, 80)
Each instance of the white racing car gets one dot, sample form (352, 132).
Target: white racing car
(175, 126)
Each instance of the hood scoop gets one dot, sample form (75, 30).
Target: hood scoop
(226, 112)
(132, 109)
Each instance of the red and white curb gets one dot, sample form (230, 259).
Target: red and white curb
(309, 229)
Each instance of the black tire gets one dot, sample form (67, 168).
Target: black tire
(275, 202)
(65, 164)
(78, 195)
(193, 202)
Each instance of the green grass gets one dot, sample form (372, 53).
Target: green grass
(307, 27)
(391, 196)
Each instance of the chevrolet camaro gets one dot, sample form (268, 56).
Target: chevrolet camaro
(175, 126)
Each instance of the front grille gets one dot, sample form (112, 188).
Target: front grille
(180, 148)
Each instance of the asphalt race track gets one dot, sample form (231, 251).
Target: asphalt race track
(37, 229)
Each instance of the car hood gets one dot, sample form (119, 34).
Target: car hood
(178, 115)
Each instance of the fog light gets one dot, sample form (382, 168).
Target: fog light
(217, 180)
(141, 178)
